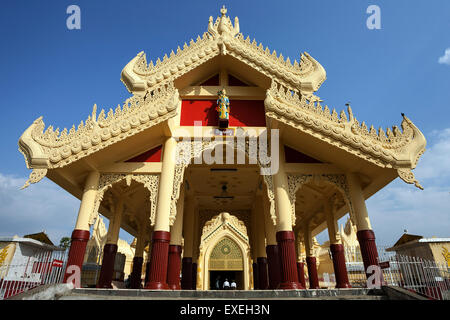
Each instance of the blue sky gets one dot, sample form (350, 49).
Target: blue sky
(49, 70)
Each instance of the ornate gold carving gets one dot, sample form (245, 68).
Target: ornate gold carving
(206, 215)
(226, 255)
(138, 113)
(188, 150)
(223, 221)
(223, 38)
(408, 176)
(296, 181)
(35, 176)
(106, 181)
(308, 115)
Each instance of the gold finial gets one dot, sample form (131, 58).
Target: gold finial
(223, 11)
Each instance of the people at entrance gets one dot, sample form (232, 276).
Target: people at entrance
(218, 283)
(233, 285)
(226, 284)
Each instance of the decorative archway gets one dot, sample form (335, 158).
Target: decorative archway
(188, 150)
(339, 181)
(224, 245)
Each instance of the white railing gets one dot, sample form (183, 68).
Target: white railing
(44, 267)
(428, 278)
(424, 277)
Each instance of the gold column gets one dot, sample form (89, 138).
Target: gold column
(260, 230)
(177, 227)
(189, 226)
(282, 201)
(166, 186)
(269, 227)
(114, 224)
(359, 204)
(332, 226)
(87, 201)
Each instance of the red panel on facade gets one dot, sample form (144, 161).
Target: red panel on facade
(153, 155)
(294, 156)
(243, 113)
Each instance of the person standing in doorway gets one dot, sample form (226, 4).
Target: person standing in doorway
(226, 284)
(233, 285)
(218, 283)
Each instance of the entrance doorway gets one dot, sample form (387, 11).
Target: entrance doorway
(230, 275)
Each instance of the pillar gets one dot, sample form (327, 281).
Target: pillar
(147, 271)
(365, 234)
(263, 280)
(336, 248)
(255, 276)
(273, 258)
(110, 248)
(301, 273)
(174, 263)
(188, 232)
(194, 276)
(161, 234)
(195, 249)
(285, 236)
(259, 242)
(135, 277)
(80, 234)
(310, 259)
(300, 263)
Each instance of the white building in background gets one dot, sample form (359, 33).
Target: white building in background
(25, 263)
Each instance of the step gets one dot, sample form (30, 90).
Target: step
(135, 294)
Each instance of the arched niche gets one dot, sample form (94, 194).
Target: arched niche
(221, 230)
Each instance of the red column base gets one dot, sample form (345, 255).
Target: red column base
(107, 270)
(263, 279)
(135, 277)
(158, 261)
(273, 266)
(255, 276)
(312, 273)
(288, 260)
(186, 273)
(173, 268)
(301, 273)
(340, 270)
(147, 273)
(77, 250)
(369, 252)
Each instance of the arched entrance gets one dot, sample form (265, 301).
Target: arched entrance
(226, 263)
(224, 252)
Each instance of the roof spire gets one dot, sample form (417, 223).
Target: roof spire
(223, 11)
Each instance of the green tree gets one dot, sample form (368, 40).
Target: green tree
(64, 242)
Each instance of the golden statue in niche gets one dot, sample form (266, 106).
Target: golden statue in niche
(223, 108)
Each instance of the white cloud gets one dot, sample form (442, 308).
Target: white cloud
(445, 59)
(402, 206)
(43, 206)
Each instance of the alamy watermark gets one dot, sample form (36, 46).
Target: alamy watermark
(74, 19)
(374, 20)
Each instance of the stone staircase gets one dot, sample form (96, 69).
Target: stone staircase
(131, 294)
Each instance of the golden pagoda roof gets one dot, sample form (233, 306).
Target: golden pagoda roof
(290, 100)
(223, 38)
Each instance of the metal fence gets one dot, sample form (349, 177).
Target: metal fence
(43, 267)
(427, 278)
